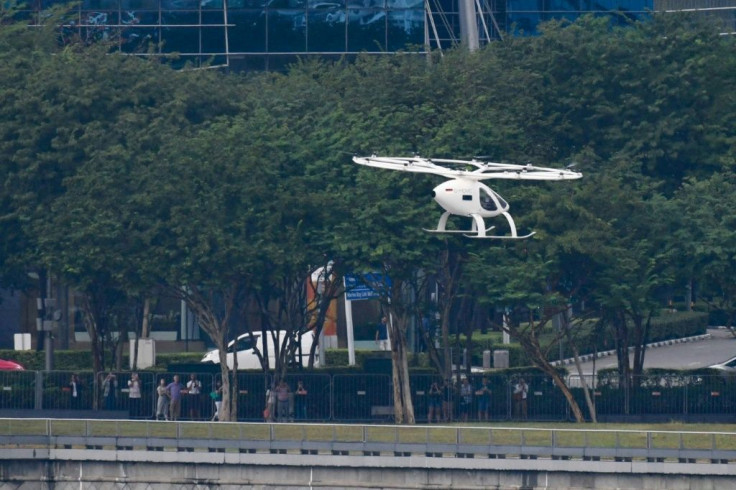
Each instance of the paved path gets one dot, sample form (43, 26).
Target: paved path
(718, 347)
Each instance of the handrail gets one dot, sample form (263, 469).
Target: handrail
(374, 440)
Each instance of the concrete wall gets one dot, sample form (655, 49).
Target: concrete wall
(78, 469)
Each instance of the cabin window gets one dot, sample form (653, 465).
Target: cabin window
(486, 200)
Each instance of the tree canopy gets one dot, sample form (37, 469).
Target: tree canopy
(121, 174)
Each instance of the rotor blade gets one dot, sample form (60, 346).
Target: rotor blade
(483, 170)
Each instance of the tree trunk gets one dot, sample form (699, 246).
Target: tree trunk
(584, 383)
(403, 406)
(146, 323)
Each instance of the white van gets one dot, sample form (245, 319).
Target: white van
(247, 358)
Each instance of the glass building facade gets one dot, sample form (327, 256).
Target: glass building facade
(266, 34)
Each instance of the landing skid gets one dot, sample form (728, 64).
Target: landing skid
(453, 232)
(502, 237)
(478, 229)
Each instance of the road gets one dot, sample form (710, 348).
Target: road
(720, 347)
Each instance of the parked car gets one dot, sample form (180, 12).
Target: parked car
(10, 366)
(247, 357)
(729, 365)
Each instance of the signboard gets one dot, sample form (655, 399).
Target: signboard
(356, 290)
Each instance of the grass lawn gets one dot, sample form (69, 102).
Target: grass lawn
(665, 435)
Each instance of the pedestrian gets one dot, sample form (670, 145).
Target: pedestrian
(382, 334)
(194, 391)
(466, 398)
(435, 403)
(483, 395)
(300, 401)
(270, 408)
(75, 392)
(110, 391)
(283, 392)
(521, 391)
(448, 400)
(216, 396)
(162, 401)
(174, 390)
(134, 396)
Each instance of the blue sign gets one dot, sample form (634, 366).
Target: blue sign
(367, 288)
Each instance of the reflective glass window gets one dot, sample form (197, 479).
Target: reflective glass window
(248, 32)
(213, 40)
(287, 30)
(100, 5)
(140, 39)
(608, 5)
(405, 28)
(179, 40)
(366, 30)
(525, 23)
(179, 4)
(326, 27)
(525, 5)
(563, 5)
(139, 4)
(213, 18)
(179, 19)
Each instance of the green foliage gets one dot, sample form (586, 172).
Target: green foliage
(64, 360)
(123, 176)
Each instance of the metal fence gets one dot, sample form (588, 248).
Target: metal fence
(369, 397)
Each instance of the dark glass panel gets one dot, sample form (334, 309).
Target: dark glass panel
(180, 40)
(180, 19)
(405, 29)
(140, 39)
(213, 39)
(247, 63)
(524, 24)
(248, 33)
(563, 5)
(286, 30)
(212, 4)
(100, 5)
(99, 19)
(139, 4)
(50, 3)
(179, 4)
(607, 5)
(96, 26)
(525, 6)
(326, 28)
(366, 30)
(214, 17)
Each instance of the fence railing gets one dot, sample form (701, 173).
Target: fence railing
(369, 397)
(374, 440)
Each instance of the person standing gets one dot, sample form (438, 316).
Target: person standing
(75, 391)
(216, 396)
(194, 390)
(300, 401)
(162, 401)
(448, 400)
(435, 403)
(134, 396)
(282, 401)
(110, 391)
(382, 334)
(174, 390)
(466, 399)
(483, 395)
(520, 394)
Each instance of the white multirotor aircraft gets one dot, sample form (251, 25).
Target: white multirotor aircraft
(465, 194)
